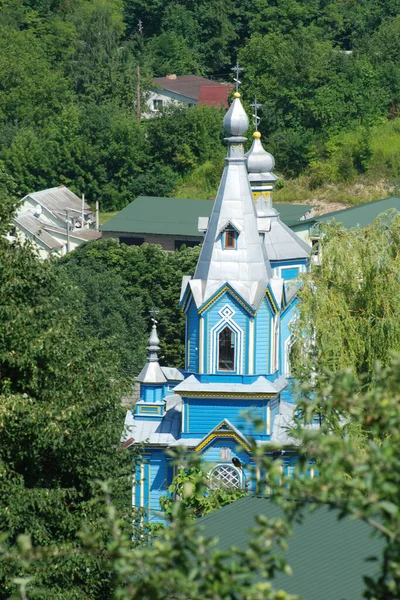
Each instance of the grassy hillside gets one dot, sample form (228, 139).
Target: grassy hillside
(353, 167)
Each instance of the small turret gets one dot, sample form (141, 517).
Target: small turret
(152, 382)
(260, 165)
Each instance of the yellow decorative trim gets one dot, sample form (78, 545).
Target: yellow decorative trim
(226, 288)
(273, 303)
(236, 95)
(215, 435)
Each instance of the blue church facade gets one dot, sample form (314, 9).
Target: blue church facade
(239, 306)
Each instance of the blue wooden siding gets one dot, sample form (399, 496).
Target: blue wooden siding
(193, 338)
(262, 339)
(241, 318)
(204, 415)
(151, 393)
(289, 273)
(158, 484)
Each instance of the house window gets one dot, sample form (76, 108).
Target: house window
(157, 104)
(224, 476)
(131, 241)
(230, 239)
(226, 348)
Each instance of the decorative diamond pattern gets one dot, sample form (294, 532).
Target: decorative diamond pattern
(224, 476)
(226, 312)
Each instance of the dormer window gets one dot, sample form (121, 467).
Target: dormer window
(229, 232)
(230, 239)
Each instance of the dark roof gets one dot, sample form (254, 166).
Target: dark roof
(360, 215)
(190, 85)
(177, 216)
(328, 556)
(215, 95)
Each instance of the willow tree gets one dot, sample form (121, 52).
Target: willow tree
(349, 306)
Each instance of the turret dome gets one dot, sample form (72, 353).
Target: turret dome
(236, 121)
(258, 159)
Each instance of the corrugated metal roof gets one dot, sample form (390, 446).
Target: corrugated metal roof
(328, 557)
(58, 199)
(178, 216)
(358, 216)
(189, 85)
(36, 228)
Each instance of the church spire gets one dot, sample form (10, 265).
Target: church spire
(232, 252)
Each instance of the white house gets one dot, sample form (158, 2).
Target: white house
(55, 220)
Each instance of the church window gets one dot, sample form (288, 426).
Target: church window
(226, 348)
(224, 476)
(225, 453)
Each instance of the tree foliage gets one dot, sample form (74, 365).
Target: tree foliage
(147, 276)
(70, 74)
(60, 422)
(194, 489)
(349, 305)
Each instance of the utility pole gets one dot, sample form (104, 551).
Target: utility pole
(138, 108)
(138, 111)
(67, 212)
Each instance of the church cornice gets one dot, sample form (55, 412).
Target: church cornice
(244, 395)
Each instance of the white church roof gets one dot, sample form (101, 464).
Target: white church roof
(246, 268)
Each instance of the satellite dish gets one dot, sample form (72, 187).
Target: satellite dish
(38, 210)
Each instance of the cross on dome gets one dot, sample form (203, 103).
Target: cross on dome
(236, 69)
(256, 105)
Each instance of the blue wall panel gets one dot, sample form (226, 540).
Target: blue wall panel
(204, 415)
(157, 482)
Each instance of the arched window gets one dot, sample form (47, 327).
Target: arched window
(226, 350)
(224, 476)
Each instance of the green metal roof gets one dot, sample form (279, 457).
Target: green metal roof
(356, 216)
(177, 216)
(328, 556)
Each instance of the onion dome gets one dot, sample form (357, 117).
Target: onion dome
(258, 159)
(236, 122)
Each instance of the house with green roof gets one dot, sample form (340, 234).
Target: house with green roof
(329, 557)
(173, 222)
(355, 216)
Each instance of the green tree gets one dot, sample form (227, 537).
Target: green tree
(60, 422)
(150, 275)
(110, 313)
(348, 306)
(193, 488)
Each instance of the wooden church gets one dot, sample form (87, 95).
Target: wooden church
(239, 305)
